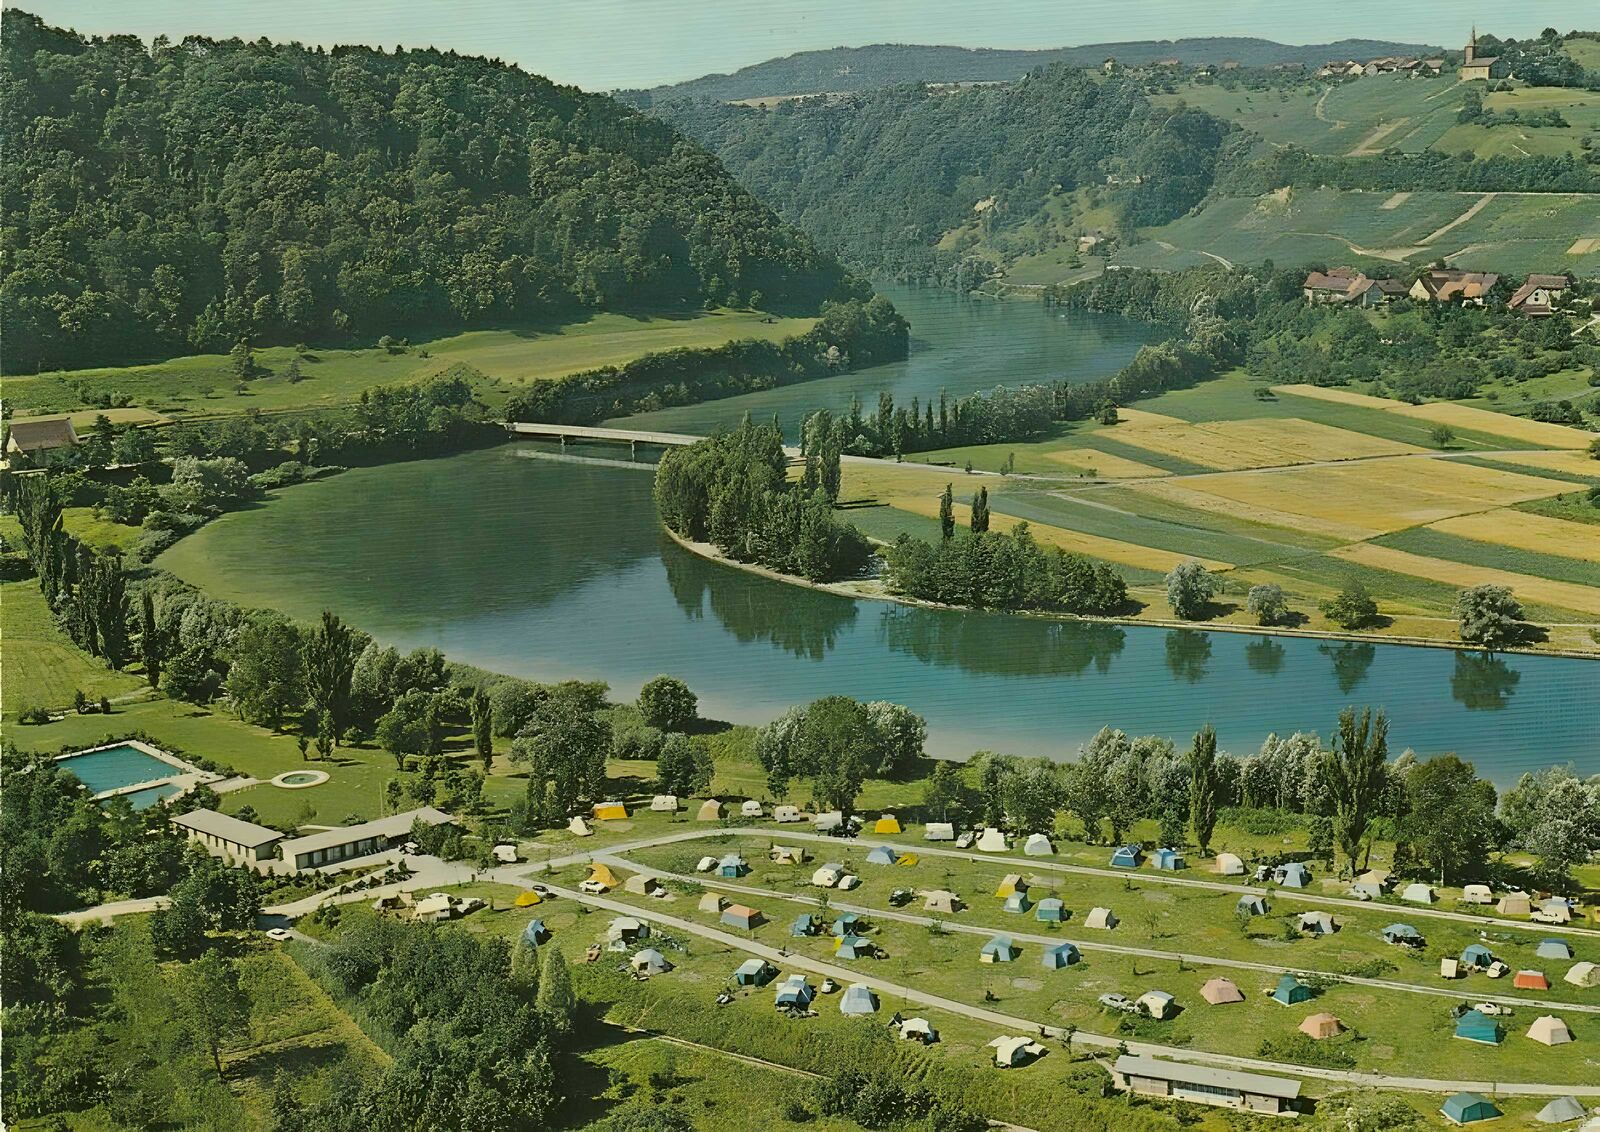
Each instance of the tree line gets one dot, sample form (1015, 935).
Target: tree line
(180, 196)
(985, 569)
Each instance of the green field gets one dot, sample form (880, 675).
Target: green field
(1438, 544)
(42, 666)
(203, 384)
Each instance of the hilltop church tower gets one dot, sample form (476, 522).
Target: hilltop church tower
(1475, 66)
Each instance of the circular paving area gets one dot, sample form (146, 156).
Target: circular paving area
(300, 779)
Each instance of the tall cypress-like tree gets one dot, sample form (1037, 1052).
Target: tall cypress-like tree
(331, 651)
(980, 510)
(555, 996)
(152, 649)
(1203, 787)
(483, 726)
(1356, 775)
(947, 512)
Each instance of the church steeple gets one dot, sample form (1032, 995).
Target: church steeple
(1470, 51)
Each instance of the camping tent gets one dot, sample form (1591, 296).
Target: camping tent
(1127, 857)
(1037, 845)
(1514, 904)
(1476, 955)
(712, 903)
(1049, 911)
(882, 855)
(1449, 968)
(527, 899)
(939, 831)
(610, 811)
(991, 840)
(601, 874)
(1100, 918)
(887, 824)
(827, 822)
(1000, 949)
(1365, 890)
(664, 804)
(1477, 894)
(827, 875)
(1317, 923)
(1475, 1026)
(1562, 1110)
(859, 999)
(1464, 1108)
(506, 853)
(918, 1030)
(1530, 980)
(742, 917)
(1249, 902)
(849, 881)
(750, 808)
(535, 932)
(650, 962)
(785, 814)
(1293, 875)
(710, 810)
(1011, 882)
(643, 884)
(1583, 975)
(1010, 1052)
(1290, 991)
(1220, 991)
(1229, 865)
(626, 927)
(1418, 893)
(1321, 1026)
(1158, 1004)
(732, 865)
(852, 947)
(1549, 1030)
(1017, 902)
(795, 991)
(1060, 955)
(1556, 910)
(579, 826)
(1403, 934)
(787, 854)
(804, 924)
(1554, 949)
(755, 973)
(1168, 859)
(706, 865)
(847, 923)
(940, 900)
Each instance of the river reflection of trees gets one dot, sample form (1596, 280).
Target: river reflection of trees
(1482, 682)
(1350, 662)
(1264, 655)
(1000, 644)
(1188, 654)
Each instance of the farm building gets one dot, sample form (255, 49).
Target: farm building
(1467, 1108)
(1158, 1004)
(1475, 1026)
(742, 917)
(852, 947)
(1452, 285)
(664, 804)
(940, 900)
(858, 999)
(1011, 1052)
(754, 973)
(1476, 955)
(650, 962)
(1477, 894)
(1583, 975)
(643, 884)
(225, 836)
(785, 814)
(732, 865)
(828, 822)
(887, 824)
(1320, 1026)
(1317, 923)
(826, 876)
(1127, 857)
(1000, 949)
(1403, 934)
(712, 903)
(1011, 882)
(1226, 1088)
(1418, 894)
(1291, 991)
(787, 855)
(1251, 903)
(1292, 875)
(795, 991)
(882, 855)
(1060, 955)
(991, 840)
(1219, 992)
(1037, 845)
(1514, 904)
(1017, 902)
(1169, 860)
(1539, 294)
(579, 827)
(1229, 865)
(805, 924)
(1554, 949)
(939, 831)
(28, 439)
(1100, 918)
(1050, 911)
(710, 810)
(332, 846)
(1530, 980)
(750, 808)
(1549, 1030)
(1562, 1110)
(918, 1030)
(610, 811)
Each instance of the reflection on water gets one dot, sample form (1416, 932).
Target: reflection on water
(1264, 655)
(1483, 682)
(1020, 646)
(1351, 659)
(1188, 654)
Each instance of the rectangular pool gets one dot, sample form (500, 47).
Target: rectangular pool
(114, 768)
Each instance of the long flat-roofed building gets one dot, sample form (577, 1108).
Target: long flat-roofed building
(1251, 1092)
(221, 835)
(334, 845)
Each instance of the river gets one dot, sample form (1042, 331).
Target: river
(553, 569)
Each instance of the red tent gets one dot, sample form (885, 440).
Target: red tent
(1531, 980)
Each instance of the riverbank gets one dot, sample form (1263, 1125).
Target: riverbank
(874, 590)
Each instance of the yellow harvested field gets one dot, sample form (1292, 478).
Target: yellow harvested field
(84, 419)
(1572, 463)
(1377, 495)
(1231, 445)
(1103, 464)
(1584, 246)
(1528, 532)
(1144, 418)
(888, 481)
(1181, 493)
(1456, 416)
(1563, 595)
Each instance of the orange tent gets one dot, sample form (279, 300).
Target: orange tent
(1321, 1026)
(1531, 980)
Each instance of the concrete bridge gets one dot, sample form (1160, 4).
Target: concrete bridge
(632, 437)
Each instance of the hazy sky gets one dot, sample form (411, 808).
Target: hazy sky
(602, 44)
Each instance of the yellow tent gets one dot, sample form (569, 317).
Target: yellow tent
(888, 823)
(1013, 882)
(603, 875)
(905, 860)
(610, 811)
(528, 899)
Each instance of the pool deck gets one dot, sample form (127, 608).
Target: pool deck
(185, 778)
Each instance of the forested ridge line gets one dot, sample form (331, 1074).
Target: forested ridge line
(172, 197)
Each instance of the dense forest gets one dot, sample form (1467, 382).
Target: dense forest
(878, 178)
(168, 197)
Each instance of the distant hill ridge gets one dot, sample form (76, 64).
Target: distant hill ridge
(891, 64)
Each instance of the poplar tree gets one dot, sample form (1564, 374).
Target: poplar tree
(483, 726)
(980, 511)
(1203, 787)
(331, 651)
(556, 998)
(151, 647)
(1357, 775)
(947, 512)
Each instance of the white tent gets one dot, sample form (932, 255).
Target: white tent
(939, 831)
(580, 826)
(751, 809)
(786, 854)
(1100, 918)
(849, 881)
(712, 903)
(991, 840)
(705, 865)
(626, 927)
(650, 962)
(643, 884)
(1317, 923)
(941, 900)
(786, 813)
(918, 1029)
(830, 820)
(1549, 1030)
(1038, 845)
(1562, 1110)
(1583, 975)
(710, 810)
(1418, 893)
(1157, 1004)
(827, 876)
(1229, 865)
(1477, 894)
(505, 853)
(1514, 904)
(434, 907)
(664, 804)
(1009, 1051)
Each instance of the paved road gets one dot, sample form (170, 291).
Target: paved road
(105, 913)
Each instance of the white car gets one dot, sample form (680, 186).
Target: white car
(280, 935)
(1118, 1002)
(1490, 1008)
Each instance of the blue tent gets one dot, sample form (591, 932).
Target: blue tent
(1402, 933)
(1061, 955)
(858, 999)
(1000, 949)
(732, 866)
(847, 923)
(535, 933)
(755, 973)
(1293, 875)
(852, 947)
(804, 924)
(882, 855)
(1017, 902)
(1464, 1108)
(1291, 990)
(1049, 911)
(1554, 949)
(1249, 902)
(1476, 1027)
(795, 991)
(1476, 955)
(1169, 859)
(1127, 857)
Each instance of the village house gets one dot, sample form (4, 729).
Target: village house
(1449, 285)
(1539, 295)
(32, 440)
(1341, 285)
(1475, 67)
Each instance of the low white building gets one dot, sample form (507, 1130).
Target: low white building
(332, 846)
(221, 835)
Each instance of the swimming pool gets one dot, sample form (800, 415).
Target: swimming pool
(144, 799)
(118, 767)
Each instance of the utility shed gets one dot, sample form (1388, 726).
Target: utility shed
(1226, 1088)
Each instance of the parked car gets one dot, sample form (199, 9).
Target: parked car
(1490, 1008)
(280, 935)
(1118, 1002)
